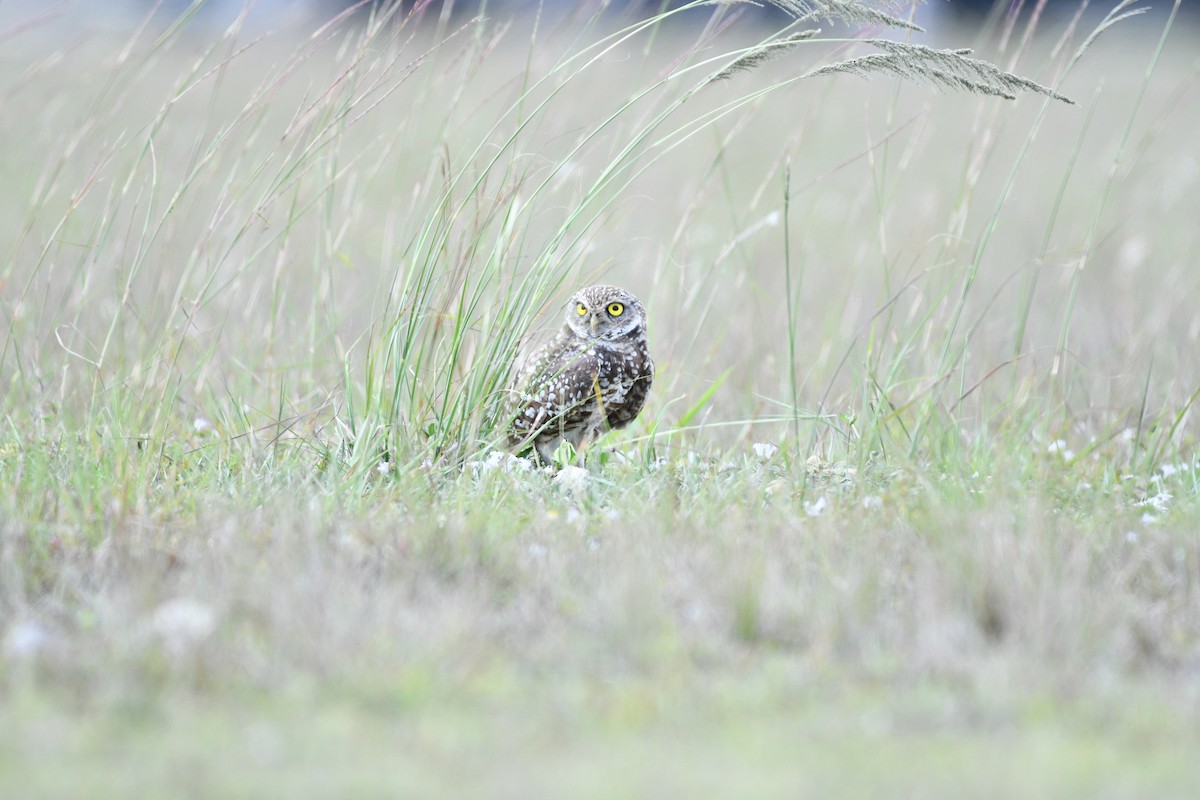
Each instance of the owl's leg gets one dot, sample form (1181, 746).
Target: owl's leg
(582, 441)
(544, 445)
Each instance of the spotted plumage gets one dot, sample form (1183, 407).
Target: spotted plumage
(592, 377)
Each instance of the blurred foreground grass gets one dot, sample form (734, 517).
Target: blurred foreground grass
(786, 737)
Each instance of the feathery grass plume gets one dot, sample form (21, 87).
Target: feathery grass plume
(851, 12)
(949, 69)
(1121, 11)
(763, 53)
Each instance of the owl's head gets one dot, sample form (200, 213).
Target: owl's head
(605, 312)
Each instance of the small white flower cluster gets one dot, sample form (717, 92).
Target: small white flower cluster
(764, 450)
(1059, 446)
(817, 507)
(1171, 470)
(1157, 503)
(498, 461)
(25, 640)
(1160, 501)
(183, 624)
(573, 479)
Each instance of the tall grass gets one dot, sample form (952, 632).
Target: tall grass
(462, 309)
(335, 252)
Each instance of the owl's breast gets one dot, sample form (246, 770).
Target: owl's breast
(623, 377)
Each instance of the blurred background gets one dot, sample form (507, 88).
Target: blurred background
(278, 182)
(276, 14)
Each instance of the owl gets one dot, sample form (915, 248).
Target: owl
(594, 376)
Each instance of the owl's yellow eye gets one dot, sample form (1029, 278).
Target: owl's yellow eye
(615, 309)
(580, 309)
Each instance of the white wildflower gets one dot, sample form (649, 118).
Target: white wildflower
(183, 623)
(817, 507)
(1158, 502)
(764, 450)
(25, 640)
(1059, 446)
(573, 479)
(499, 460)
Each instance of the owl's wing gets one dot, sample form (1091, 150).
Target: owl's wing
(554, 389)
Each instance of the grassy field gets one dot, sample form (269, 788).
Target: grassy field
(912, 510)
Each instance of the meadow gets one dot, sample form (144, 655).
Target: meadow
(912, 510)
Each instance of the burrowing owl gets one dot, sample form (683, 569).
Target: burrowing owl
(593, 376)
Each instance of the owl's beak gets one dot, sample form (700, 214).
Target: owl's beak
(594, 320)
